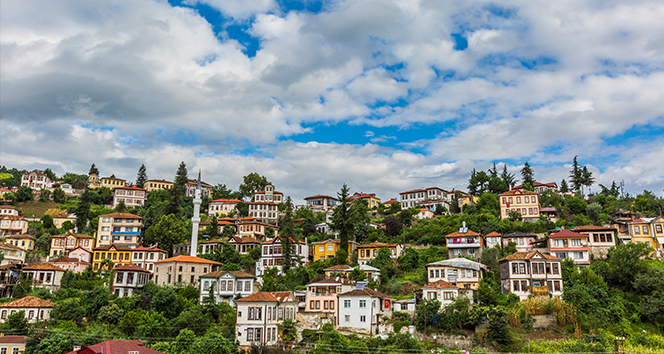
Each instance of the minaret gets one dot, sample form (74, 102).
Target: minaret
(196, 218)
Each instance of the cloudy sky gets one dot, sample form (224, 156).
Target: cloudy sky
(385, 95)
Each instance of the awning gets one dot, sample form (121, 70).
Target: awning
(661, 241)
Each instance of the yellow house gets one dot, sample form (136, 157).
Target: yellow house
(12, 344)
(23, 241)
(328, 248)
(59, 220)
(368, 252)
(157, 184)
(370, 198)
(467, 199)
(113, 182)
(648, 230)
(119, 255)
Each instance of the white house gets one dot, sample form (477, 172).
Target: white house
(273, 254)
(130, 196)
(128, 278)
(44, 275)
(428, 198)
(531, 273)
(36, 180)
(362, 309)
(226, 286)
(443, 291)
(35, 309)
(8, 210)
(260, 314)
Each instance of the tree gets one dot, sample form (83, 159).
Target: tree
(23, 194)
(393, 225)
(175, 203)
(16, 323)
(142, 176)
(287, 234)
(341, 217)
(110, 314)
(498, 327)
(594, 212)
(214, 226)
(59, 195)
(167, 302)
(93, 169)
(83, 210)
(251, 184)
(49, 173)
(587, 177)
(47, 221)
(576, 175)
(169, 231)
(426, 312)
(473, 185)
(44, 195)
(70, 310)
(95, 300)
(508, 178)
(43, 243)
(359, 218)
(527, 174)
(220, 191)
(564, 188)
(288, 331)
(242, 209)
(23, 287)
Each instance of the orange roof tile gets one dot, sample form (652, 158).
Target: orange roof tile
(28, 301)
(378, 244)
(493, 234)
(21, 236)
(459, 234)
(122, 216)
(263, 296)
(131, 267)
(42, 266)
(528, 255)
(592, 228)
(320, 196)
(188, 259)
(9, 246)
(567, 233)
(340, 267)
(440, 284)
(72, 234)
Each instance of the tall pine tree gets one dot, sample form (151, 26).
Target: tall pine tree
(576, 176)
(175, 203)
(141, 177)
(527, 174)
(564, 188)
(508, 178)
(587, 177)
(341, 219)
(287, 234)
(93, 169)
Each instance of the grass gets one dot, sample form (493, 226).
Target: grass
(34, 208)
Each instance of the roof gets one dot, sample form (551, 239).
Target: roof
(567, 233)
(539, 184)
(117, 247)
(517, 192)
(592, 228)
(131, 267)
(493, 234)
(149, 249)
(244, 239)
(320, 196)
(548, 209)
(282, 295)
(193, 181)
(459, 234)
(21, 236)
(413, 191)
(13, 339)
(13, 217)
(6, 206)
(339, 267)
(265, 296)
(117, 347)
(365, 267)
(28, 301)
(263, 192)
(122, 216)
(43, 266)
(378, 244)
(440, 284)
(158, 180)
(63, 259)
(337, 280)
(226, 201)
(188, 259)
(520, 234)
(132, 188)
(10, 246)
(219, 273)
(35, 172)
(459, 263)
(72, 234)
(276, 238)
(391, 201)
(363, 292)
(528, 255)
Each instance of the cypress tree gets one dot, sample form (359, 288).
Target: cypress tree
(341, 219)
(141, 177)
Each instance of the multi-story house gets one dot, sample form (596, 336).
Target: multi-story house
(322, 296)
(36, 309)
(8, 210)
(443, 291)
(321, 202)
(244, 244)
(428, 198)
(222, 207)
(226, 285)
(131, 196)
(118, 254)
(370, 198)
(425, 214)
(190, 188)
(13, 344)
(328, 248)
(570, 244)
(372, 273)
(461, 272)
(157, 185)
(259, 316)
(12, 254)
(112, 182)
(600, 238)
(273, 255)
(24, 241)
(266, 212)
(268, 195)
(146, 257)
(9, 274)
(93, 180)
(492, 239)
(466, 199)
(522, 240)
(13, 225)
(36, 180)
(647, 230)
(521, 201)
(531, 273)
(63, 243)
(81, 253)
(60, 220)
(362, 309)
(539, 187)
(465, 243)
(248, 226)
(71, 264)
(365, 253)
(44, 275)
(183, 270)
(128, 278)
(119, 228)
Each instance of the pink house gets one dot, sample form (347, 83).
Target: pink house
(322, 295)
(522, 240)
(73, 264)
(80, 253)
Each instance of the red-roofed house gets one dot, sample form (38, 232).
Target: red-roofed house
(492, 239)
(12, 344)
(70, 263)
(531, 273)
(600, 238)
(131, 196)
(35, 308)
(259, 316)
(570, 244)
(116, 347)
(370, 198)
(267, 212)
(13, 225)
(269, 195)
(8, 209)
(182, 270)
(444, 292)
(272, 255)
(362, 309)
(465, 243)
(44, 275)
(428, 198)
(322, 296)
(222, 207)
(226, 286)
(521, 201)
(145, 257)
(12, 254)
(36, 180)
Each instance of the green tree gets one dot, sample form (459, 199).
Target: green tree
(576, 175)
(59, 195)
(393, 225)
(110, 314)
(360, 220)
(242, 209)
(67, 311)
(527, 174)
(167, 302)
(16, 323)
(193, 319)
(23, 287)
(44, 195)
(83, 210)
(220, 191)
(498, 328)
(169, 231)
(251, 184)
(287, 234)
(425, 313)
(594, 211)
(175, 203)
(142, 176)
(23, 194)
(341, 218)
(508, 178)
(93, 169)
(95, 300)
(587, 177)
(288, 331)
(150, 326)
(564, 188)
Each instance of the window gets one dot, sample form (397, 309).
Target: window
(346, 304)
(363, 318)
(332, 305)
(576, 242)
(119, 277)
(325, 305)
(311, 304)
(3, 350)
(347, 318)
(448, 295)
(3, 315)
(363, 303)
(637, 230)
(524, 285)
(432, 295)
(330, 247)
(250, 334)
(522, 268)
(222, 286)
(247, 285)
(526, 200)
(645, 229)
(518, 200)
(238, 286)
(515, 285)
(31, 314)
(658, 228)
(317, 304)
(556, 285)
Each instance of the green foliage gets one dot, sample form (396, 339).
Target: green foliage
(169, 231)
(193, 319)
(425, 313)
(341, 217)
(498, 328)
(141, 176)
(110, 314)
(527, 175)
(251, 184)
(16, 323)
(23, 194)
(67, 311)
(23, 287)
(95, 300)
(167, 302)
(288, 330)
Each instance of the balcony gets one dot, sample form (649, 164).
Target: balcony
(463, 243)
(539, 290)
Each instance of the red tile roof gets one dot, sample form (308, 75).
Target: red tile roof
(63, 259)
(133, 188)
(21, 236)
(13, 339)
(263, 296)
(121, 216)
(378, 244)
(28, 301)
(148, 249)
(337, 280)
(320, 196)
(528, 255)
(131, 267)
(188, 259)
(413, 191)
(459, 234)
(493, 234)
(363, 292)
(567, 233)
(441, 284)
(116, 347)
(43, 266)
(226, 201)
(10, 246)
(517, 192)
(72, 234)
(592, 228)
(340, 267)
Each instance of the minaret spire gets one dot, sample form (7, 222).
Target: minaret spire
(196, 218)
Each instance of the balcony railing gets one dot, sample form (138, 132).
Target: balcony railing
(541, 290)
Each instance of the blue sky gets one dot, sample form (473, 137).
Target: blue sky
(383, 95)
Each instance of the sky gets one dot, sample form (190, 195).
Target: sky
(383, 95)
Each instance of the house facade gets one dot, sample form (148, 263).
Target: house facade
(112, 182)
(370, 198)
(74, 265)
(600, 238)
(268, 194)
(539, 187)
(226, 286)
(183, 270)
(492, 239)
(222, 207)
(119, 255)
(36, 309)
(428, 198)
(362, 310)
(531, 273)
(44, 275)
(267, 212)
(128, 278)
(320, 202)
(461, 272)
(62, 244)
(273, 256)
(322, 296)
(443, 292)
(8, 210)
(327, 249)
(190, 188)
(132, 197)
(259, 316)
(146, 257)
(522, 240)
(13, 225)
(36, 180)
(248, 226)
(12, 254)
(466, 243)
(12, 344)
(157, 185)
(23, 241)
(521, 201)
(367, 252)
(647, 230)
(570, 244)
(121, 229)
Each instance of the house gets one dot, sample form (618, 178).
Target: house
(461, 272)
(36, 180)
(9, 274)
(648, 231)
(550, 213)
(116, 346)
(8, 210)
(13, 225)
(322, 296)
(522, 240)
(273, 254)
(492, 239)
(531, 273)
(466, 199)
(182, 270)
(408, 306)
(190, 188)
(600, 238)
(132, 197)
(370, 198)
(69, 263)
(157, 185)
(267, 212)
(372, 273)
(570, 244)
(268, 194)
(370, 251)
(428, 198)
(425, 214)
(81, 253)
(321, 202)
(36, 309)
(120, 228)
(520, 201)
(362, 309)
(128, 278)
(222, 207)
(244, 244)
(249, 226)
(93, 180)
(60, 220)
(12, 254)
(44, 275)
(226, 285)
(112, 182)
(328, 248)
(119, 255)
(145, 257)
(539, 187)
(259, 316)
(63, 244)
(443, 291)
(23, 241)
(12, 344)
(465, 243)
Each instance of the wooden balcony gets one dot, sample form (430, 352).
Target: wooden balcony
(539, 290)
